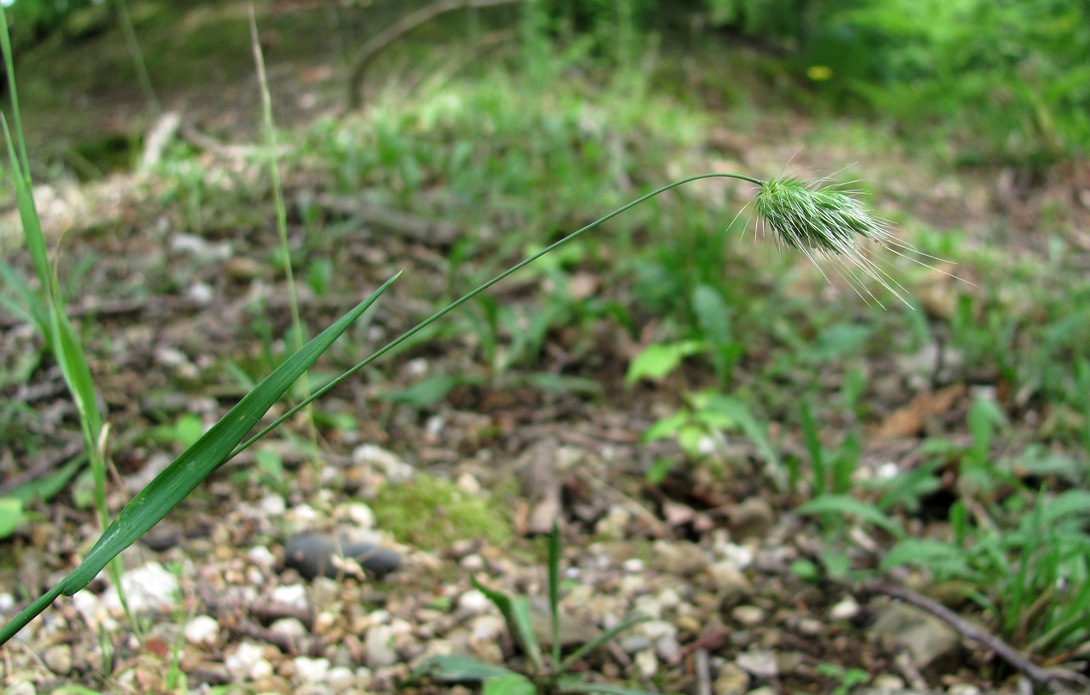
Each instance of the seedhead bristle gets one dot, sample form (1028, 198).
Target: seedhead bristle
(831, 229)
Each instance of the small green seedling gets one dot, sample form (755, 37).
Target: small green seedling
(550, 674)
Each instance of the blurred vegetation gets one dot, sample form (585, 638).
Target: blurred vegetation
(1021, 68)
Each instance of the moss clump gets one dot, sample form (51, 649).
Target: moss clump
(430, 512)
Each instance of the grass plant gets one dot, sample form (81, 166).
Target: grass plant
(552, 673)
(224, 440)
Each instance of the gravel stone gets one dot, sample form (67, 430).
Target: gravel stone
(247, 662)
(844, 610)
(752, 518)
(290, 628)
(340, 679)
(761, 664)
(272, 505)
(731, 680)
(309, 670)
(322, 555)
(59, 659)
(360, 515)
(202, 630)
(472, 603)
(22, 688)
(147, 588)
(678, 558)
(647, 664)
(748, 615)
(925, 637)
(294, 595)
(262, 557)
(379, 647)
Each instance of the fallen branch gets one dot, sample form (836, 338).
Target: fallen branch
(1053, 679)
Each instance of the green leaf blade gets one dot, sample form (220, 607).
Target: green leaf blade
(211, 451)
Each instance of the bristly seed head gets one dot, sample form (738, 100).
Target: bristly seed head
(830, 228)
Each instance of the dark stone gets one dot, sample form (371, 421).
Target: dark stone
(312, 555)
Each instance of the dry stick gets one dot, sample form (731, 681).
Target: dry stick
(400, 28)
(1046, 678)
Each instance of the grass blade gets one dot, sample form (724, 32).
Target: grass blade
(626, 624)
(516, 613)
(180, 478)
(554, 592)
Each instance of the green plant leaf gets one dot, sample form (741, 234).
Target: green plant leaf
(554, 591)
(516, 613)
(737, 411)
(845, 504)
(454, 668)
(182, 476)
(944, 559)
(45, 487)
(657, 361)
(509, 684)
(11, 515)
(626, 624)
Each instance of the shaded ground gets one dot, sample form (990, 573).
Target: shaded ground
(171, 317)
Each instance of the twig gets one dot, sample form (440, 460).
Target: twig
(402, 27)
(703, 676)
(1052, 678)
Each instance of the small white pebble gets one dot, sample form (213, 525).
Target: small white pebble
(242, 662)
(468, 484)
(748, 615)
(360, 515)
(472, 562)
(262, 557)
(633, 565)
(472, 603)
(887, 682)
(963, 689)
(845, 610)
(340, 679)
(290, 628)
(272, 505)
(7, 601)
(302, 515)
(647, 664)
(200, 293)
(309, 670)
(294, 595)
(150, 587)
(434, 426)
(202, 631)
(888, 471)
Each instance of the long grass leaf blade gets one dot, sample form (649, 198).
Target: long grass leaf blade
(626, 624)
(182, 476)
(211, 451)
(28, 213)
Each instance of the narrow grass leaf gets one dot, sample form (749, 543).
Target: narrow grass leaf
(516, 613)
(454, 668)
(211, 451)
(180, 478)
(844, 504)
(29, 306)
(28, 213)
(554, 591)
(509, 684)
(628, 623)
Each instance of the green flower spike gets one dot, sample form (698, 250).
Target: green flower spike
(830, 228)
